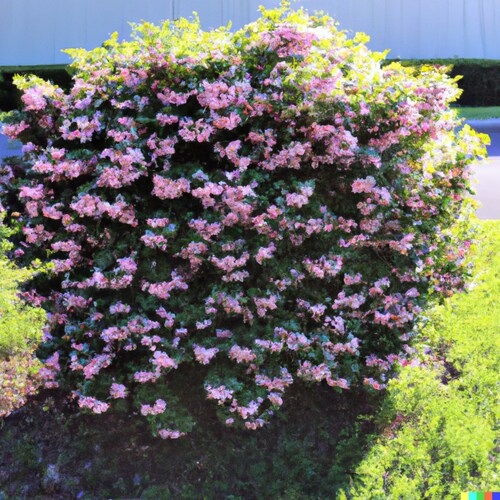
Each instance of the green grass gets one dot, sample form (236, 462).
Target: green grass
(439, 424)
(479, 113)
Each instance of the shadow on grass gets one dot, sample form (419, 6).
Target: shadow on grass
(310, 450)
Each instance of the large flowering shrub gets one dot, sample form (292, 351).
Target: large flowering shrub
(256, 207)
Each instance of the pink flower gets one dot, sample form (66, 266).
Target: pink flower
(35, 193)
(265, 253)
(168, 317)
(254, 425)
(205, 193)
(204, 229)
(374, 384)
(241, 354)
(192, 253)
(118, 391)
(53, 362)
(354, 301)
(269, 345)
(127, 264)
(92, 404)
(12, 131)
(96, 364)
(275, 399)
(220, 393)
(315, 373)
(168, 96)
(170, 189)
(162, 290)
(158, 222)
(166, 119)
(224, 334)
(341, 383)
(75, 301)
(277, 383)
(170, 434)
(324, 266)
(143, 377)
(265, 303)
(159, 407)
(227, 122)
(85, 128)
(363, 185)
(204, 355)
(202, 325)
(119, 308)
(229, 263)
(352, 280)
(155, 241)
(33, 98)
(250, 410)
(163, 360)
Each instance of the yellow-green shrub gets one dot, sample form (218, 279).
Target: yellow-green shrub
(441, 418)
(20, 331)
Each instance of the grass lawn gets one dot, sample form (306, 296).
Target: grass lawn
(439, 423)
(479, 113)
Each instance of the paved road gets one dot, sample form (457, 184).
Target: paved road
(488, 188)
(8, 148)
(488, 171)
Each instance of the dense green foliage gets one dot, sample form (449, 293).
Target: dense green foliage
(20, 324)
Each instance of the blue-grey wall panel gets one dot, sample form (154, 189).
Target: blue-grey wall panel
(35, 31)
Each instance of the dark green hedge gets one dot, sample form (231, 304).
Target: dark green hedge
(480, 78)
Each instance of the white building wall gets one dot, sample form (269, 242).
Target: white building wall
(34, 31)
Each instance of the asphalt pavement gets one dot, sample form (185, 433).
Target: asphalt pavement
(487, 172)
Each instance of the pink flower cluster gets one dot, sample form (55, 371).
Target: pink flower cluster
(159, 407)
